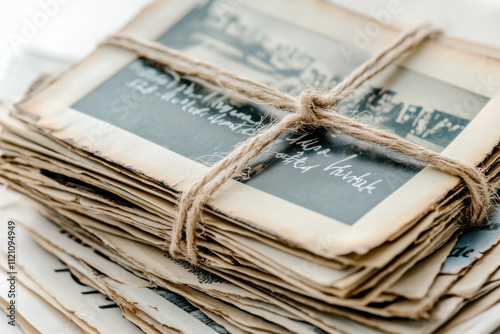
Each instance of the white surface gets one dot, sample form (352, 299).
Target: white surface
(72, 29)
(7, 329)
(477, 20)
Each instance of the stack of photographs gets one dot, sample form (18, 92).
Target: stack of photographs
(325, 234)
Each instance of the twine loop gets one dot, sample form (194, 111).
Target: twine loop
(311, 108)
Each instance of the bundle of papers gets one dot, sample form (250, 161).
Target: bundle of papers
(324, 234)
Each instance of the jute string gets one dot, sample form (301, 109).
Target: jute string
(311, 109)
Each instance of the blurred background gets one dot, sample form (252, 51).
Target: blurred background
(64, 31)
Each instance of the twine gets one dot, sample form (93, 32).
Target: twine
(310, 109)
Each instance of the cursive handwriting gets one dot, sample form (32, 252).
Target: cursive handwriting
(297, 160)
(169, 87)
(342, 169)
(309, 145)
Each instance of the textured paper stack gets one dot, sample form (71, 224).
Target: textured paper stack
(324, 233)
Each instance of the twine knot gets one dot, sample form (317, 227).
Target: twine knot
(312, 105)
